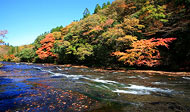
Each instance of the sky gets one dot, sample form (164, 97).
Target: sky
(26, 19)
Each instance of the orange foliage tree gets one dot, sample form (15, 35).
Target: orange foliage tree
(144, 52)
(47, 44)
(8, 57)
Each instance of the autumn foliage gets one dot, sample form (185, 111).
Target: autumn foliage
(8, 57)
(47, 44)
(124, 29)
(144, 52)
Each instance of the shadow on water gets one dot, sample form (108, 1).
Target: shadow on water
(30, 87)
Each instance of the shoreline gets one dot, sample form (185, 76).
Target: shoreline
(101, 69)
(154, 72)
(148, 72)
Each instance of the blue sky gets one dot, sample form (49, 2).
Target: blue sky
(26, 19)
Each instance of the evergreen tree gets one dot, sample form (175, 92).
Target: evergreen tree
(57, 29)
(108, 3)
(104, 6)
(97, 8)
(86, 13)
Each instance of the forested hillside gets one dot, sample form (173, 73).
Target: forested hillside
(127, 33)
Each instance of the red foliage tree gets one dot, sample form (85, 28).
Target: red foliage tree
(47, 44)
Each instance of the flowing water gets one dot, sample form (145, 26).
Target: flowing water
(35, 87)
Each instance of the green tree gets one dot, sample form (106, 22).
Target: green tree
(57, 29)
(86, 13)
(26, 55)
(152, 16)
(104, 6)
(108, 3)
(17, 49)
(11, 50)
(97, 8)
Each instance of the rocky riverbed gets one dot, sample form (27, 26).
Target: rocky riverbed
(39, 87)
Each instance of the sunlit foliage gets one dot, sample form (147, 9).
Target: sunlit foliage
(152, 15)
(125, 26)
(8, 57)
(47, 44)
(144, 52)
(26, 55)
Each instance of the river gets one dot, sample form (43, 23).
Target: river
(47, 88)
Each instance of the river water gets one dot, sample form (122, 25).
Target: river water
(47, 88)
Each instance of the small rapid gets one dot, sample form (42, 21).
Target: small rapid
(23, 84)
(113, 86)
